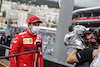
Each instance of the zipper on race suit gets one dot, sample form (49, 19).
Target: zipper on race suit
(34, 62)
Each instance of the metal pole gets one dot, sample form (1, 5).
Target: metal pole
(3, 57)
(65, 19)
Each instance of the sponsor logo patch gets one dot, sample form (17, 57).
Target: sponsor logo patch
(27, 41)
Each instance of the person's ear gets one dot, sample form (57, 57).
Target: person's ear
(29, 24)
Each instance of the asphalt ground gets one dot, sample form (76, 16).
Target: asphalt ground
(3, 64)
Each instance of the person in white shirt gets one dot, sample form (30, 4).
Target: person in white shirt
(96, 58)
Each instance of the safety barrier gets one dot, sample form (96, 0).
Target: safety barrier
(3, 57)
(46, 61)
(5, 46)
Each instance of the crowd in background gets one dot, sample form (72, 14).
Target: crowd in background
(48, 42)
(5, 40)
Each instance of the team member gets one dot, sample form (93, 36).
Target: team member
(8, 40)
(27, 41)
(3, 38)
(83, 58)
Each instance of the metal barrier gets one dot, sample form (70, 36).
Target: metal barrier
(5, 46)
(3, 57)
(3, 49)
(46, 61)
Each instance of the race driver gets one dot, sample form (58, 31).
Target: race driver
(27, 41)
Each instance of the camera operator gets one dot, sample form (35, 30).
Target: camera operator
(83, 57)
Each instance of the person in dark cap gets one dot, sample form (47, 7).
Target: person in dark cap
(28, 41)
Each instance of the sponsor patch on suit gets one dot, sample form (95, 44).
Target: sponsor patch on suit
(27, 41)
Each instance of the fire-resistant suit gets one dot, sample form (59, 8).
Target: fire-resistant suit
(25, 42)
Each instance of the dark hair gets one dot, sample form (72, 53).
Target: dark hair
(91, 29)
(29, 23)
(71, 28)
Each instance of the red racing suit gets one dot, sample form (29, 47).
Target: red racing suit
(25, 42)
